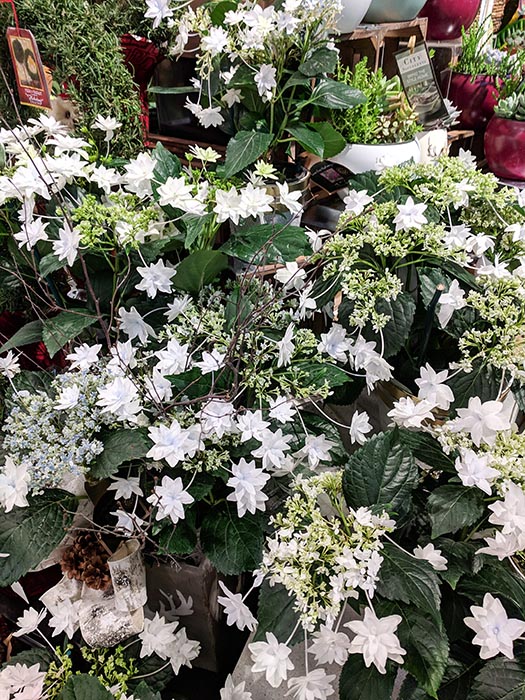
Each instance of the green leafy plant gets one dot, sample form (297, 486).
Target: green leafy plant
(81, 43)
(478, 57)
(265, 95)
(385, 117)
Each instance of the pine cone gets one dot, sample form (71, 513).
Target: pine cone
(86, 560)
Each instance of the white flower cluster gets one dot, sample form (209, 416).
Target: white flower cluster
(322, 552)
(44, 161)
(251, 36)
(54, 433)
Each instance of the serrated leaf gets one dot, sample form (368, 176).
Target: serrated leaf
(426, 644)
(267, 244)
(409, 580)
(27, 380)
(452, 507)
(28, 334)
(308, 139)
(322, 60)
(49, 264)
(496, 577)
(276, 614)
(192, 383)
(426, 449)
(459, 556)
(66, 326)
(334, 142)
(317, 374)
(196, 227)
(429, 279)
(232, 544)
(166, 165)
(357, 682)
(410, 690)
(219, 11)
(84, 687)
(483, 381)
(500, 679)
(334, 95)
(29, 657)
(297, 78)
(179, 539)
(144, 692)
(158, 674)
(244, 149)
(199, 269)
(30, 534)
(457, 681)
(401, 312)
(380, 473)
(120, 446)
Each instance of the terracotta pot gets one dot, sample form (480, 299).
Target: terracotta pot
(475, 97)
(505, 148)
(446, 17)
(393, 10)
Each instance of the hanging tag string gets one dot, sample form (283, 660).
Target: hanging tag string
(15, 15)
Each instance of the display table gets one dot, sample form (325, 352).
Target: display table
(379, 42)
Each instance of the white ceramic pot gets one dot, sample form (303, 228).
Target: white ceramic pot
(352, 15)
(433, 144)
(361, 158)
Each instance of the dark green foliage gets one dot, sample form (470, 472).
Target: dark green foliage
(80, 41)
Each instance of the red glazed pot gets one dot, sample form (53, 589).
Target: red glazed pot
(475, 97)
(505, 148)
(446, 17)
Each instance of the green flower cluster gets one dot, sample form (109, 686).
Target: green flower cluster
(121, 222)
(321, 551)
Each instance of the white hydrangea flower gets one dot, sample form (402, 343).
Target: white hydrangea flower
(237, 612)
(376, 639)
(247, 483)
(474, 470)
(495, 631)
(432, 555)
(271, 658)
(170, 498)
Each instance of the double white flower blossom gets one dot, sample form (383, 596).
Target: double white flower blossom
(170, 498)
(237, 612)
(247, 483)
(376, 640)
(495, 631)
(271, 657)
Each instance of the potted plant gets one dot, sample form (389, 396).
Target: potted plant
(262, 73)
(224, 368)
(381, 131)
(393, 11)
(457, 266)
(473, 83)
(447, 19)
(418, 537)
(505, 135)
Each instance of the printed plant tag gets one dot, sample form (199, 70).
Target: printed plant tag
(420, 84)
(29, 71)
